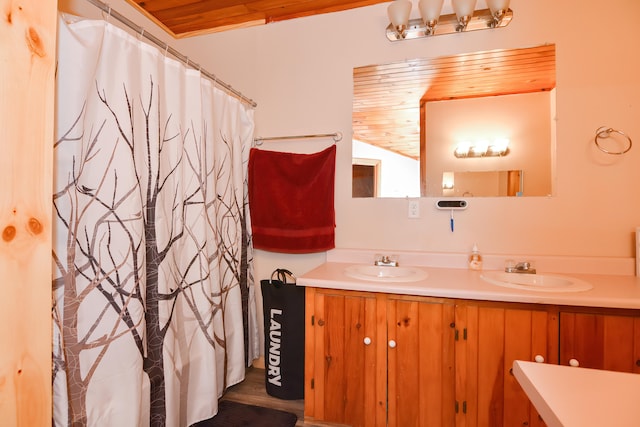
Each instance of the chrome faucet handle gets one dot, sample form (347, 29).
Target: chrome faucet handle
(386, 260)
(521, 267)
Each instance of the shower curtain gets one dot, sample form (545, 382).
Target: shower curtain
(153, 293)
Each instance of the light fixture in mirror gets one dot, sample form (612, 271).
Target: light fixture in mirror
(489, 95)
(482, 148)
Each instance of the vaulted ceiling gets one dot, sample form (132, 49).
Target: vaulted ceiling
(183, 18)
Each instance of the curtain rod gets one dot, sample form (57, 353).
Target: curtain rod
(337, 136)
(164, 46)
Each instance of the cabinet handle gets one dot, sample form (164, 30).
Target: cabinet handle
(367, 340)
(392, 344)
(539, 358)
(574, 362)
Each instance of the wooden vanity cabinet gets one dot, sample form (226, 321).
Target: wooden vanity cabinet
(420, 361)
(374, 360)
(490, 336)
(601, 339)
(428, 361)
(344, 364)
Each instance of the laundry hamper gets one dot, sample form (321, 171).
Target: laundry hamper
(283, 304)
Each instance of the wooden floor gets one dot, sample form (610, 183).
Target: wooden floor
(252, 392)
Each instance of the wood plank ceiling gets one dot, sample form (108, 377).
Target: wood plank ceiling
(184, 18)
(387, 98)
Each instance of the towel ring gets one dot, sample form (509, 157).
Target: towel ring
(604, 132)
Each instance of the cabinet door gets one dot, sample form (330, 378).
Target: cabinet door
(420, 362)
(490, 338)
(600, 341)
(342, 359)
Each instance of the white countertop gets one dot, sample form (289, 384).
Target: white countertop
(579, 397)
(609, 290)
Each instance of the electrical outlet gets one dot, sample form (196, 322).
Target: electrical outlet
(414, 209)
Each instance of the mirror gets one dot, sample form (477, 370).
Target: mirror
(414, 121)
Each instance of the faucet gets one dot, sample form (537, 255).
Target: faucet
(386, 260)
(521, 267)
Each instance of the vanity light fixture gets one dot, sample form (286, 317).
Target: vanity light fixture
(498, 148)
(431, 22)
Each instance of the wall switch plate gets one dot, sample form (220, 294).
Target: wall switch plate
(414, 209)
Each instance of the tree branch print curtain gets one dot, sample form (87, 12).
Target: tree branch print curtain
(152, 257)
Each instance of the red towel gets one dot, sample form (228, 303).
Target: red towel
(291, 200)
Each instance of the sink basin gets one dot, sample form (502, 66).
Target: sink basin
(377, 273)
(536, 282)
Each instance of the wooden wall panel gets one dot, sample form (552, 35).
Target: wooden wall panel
(27, 55)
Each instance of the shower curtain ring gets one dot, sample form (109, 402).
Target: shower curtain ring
(108, 13)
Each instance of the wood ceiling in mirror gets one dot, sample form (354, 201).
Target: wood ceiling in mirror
(183, 18)
(386, 98)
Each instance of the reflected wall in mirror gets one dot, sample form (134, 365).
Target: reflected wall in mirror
(483, 184)
(416, 113)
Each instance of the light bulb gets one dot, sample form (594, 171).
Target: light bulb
(462, 150)
(497, 6)
(501, 145)
(463, 8)
(464, 12)
(399, 11)
(430, 12)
